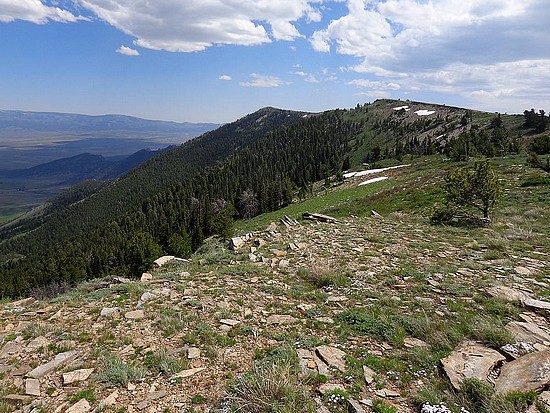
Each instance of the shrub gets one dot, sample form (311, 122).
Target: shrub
(470, 190)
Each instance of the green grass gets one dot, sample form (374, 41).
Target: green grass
(271, 386)
(117, 371)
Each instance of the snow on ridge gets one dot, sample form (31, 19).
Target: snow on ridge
(371, 171)
(424, 112)
(372, 180)
(402, 107)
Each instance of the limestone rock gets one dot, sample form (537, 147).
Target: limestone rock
(271, 227)
(470, 360)
(318, 217)
(81, 406)
(193, 353)
(77, 375)
(61, 358)
(333, 356)
(529, 372)
(506, 293)
(109, 311)
(155, 395)
(411, 342)
(146, 277)
(368, 373)
(528, 332)
(135, 315)
(32, 387)
(236, 243)
(230, 322)
(523, 270)
(110, 400)
(280, 319)
(330, 387)
(188, 373)
(164, 260)
(10, 348)
(356, 406)
(37, 343)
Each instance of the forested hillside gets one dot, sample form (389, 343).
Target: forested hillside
(259, 163)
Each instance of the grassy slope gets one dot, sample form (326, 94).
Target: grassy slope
(400, 276)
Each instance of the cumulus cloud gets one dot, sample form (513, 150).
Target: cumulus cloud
(258, 80)
(34, 11)
(225, 77)
(128, 51)
(478, 49)
(195, 25)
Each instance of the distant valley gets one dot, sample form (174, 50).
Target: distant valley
(28, 139)
(42, 153)
(23, 189)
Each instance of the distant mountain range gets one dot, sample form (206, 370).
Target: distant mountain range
(28, 139)
(18, 121)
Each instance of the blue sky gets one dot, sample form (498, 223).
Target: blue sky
(217, 60)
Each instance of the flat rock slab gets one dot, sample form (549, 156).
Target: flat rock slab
(506, 293)
(135, 315)
(82, 406)
(77, 375)
(10, 348)
(333, 356)
(528, 332)
(368, 373)
(471, 360)
(61, 358)
(32, 387)
(187, 373)
(330, 387)
(36, 344)
(193, 353)
(229, 322)
(411, 342)
(529, 372)
(537, 304)
(109, 311)
(155, 395)
(280, 319)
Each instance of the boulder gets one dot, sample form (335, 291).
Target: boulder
(471, 360)
(529, 372)
(333, 356)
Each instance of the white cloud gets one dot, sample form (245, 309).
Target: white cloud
(195, 25)
(34, 11)
(225, 77)
(259, 80)
(491, 53)
(128, 51)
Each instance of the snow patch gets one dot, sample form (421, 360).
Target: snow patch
(371, 171)
(402, 107)
(424, 112)
(372, 180)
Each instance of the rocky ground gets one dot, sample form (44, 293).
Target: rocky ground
(380, 312)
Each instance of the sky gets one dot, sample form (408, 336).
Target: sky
(218, 60)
